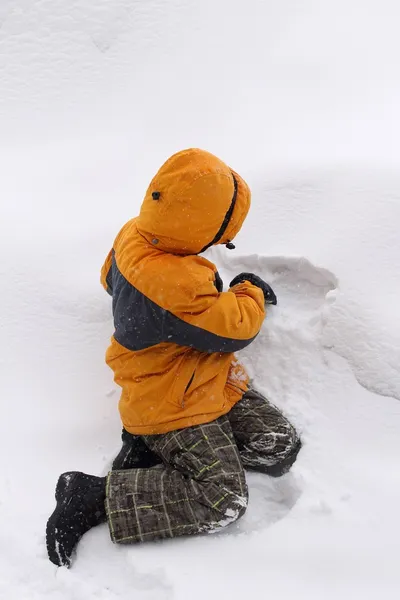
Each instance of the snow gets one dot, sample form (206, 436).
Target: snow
(302, 99)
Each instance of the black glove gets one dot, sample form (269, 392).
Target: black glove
(219, 284)
(267, 290)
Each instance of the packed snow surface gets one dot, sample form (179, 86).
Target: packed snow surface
(302, 98)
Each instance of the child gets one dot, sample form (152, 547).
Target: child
(191, 423)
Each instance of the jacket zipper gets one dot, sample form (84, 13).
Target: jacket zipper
(187, 387)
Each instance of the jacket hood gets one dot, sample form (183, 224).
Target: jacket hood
(194, 201)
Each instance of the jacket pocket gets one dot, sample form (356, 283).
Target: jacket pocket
(190, 381)
(186, 373)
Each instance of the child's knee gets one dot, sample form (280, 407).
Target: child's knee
(272, 452)
(287, 440)
(283, 465)
(293, 440)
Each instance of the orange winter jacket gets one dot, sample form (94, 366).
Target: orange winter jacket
(175, 331)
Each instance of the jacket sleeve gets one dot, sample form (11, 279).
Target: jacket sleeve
(169, 299)
(106, 273)
(220, 322)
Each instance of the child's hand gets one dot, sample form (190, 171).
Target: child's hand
(269, 295)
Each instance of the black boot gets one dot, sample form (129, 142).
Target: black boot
(80, 506)
(134, 454)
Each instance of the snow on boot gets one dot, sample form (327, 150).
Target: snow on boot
(80, 506)
(134, 454)
(284, 466)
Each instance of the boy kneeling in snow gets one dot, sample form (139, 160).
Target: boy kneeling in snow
(191, 424)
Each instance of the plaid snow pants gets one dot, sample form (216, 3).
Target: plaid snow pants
(200, 485)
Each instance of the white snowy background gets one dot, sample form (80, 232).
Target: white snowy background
(302, 98)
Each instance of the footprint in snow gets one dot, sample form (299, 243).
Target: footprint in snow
(270, 500)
